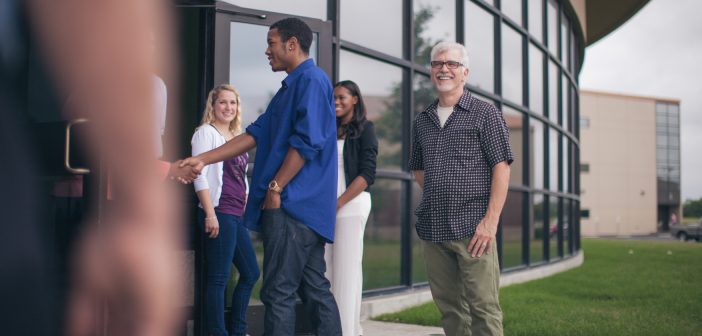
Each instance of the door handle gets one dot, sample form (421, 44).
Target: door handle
(67, 150)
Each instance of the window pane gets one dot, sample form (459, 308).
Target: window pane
(661, 140)
(513, 9)
(536, 9)
(515, 122)
(553, 91)
(424, 93)
(249, 71)
(380, 85)
(553, 159)
(584, 122)
(564, 41)
(552, 16)
(536, 241)
(381, 250)
(565, 169)
(536, 155)
(553, 228)
(419, 272)
(386, 14)
(567, 233)
(481, 48)
(311, 8)
(512, 223)
(434, 21)
(512, 73)
(246, 70)
(565, 103)
(571, 63)
(536, 79)
(571, 108)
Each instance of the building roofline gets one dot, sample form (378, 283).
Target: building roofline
(629, 95)
(609, 16)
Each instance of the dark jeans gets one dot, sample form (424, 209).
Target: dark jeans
(293, 261)
(232, 245)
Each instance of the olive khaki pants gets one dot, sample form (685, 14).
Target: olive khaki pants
(464, 288)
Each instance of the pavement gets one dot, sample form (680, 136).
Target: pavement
(377, 328)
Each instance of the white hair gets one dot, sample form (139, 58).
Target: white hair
(445, 46)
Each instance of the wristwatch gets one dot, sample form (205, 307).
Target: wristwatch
(273, 186)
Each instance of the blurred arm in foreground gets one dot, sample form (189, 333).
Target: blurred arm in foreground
(124, 274)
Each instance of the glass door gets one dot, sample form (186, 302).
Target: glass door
(67, 183)
(238, 58)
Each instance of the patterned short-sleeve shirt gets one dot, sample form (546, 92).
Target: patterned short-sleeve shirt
(457, 161)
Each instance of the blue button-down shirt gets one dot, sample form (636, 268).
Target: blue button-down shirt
(301, 115)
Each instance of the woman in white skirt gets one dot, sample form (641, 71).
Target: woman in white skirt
(358, 149)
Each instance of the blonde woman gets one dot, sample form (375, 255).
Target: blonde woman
(222, 190)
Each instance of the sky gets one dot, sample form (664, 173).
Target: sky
(658, 53)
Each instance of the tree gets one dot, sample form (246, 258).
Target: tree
(692, 208)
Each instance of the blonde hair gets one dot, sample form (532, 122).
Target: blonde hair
(208, 116)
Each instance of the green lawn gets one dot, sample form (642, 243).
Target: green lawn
(623, 288)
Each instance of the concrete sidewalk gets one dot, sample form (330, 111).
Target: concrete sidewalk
(376, 328)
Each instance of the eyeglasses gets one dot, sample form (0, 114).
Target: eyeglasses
(449, 64)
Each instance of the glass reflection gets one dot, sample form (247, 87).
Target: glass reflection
(553, 159)
(536, 154)
(381, 86)
(553, 228)
(513, 9)
(512, 73)
(565, 171)
(310, 8)
(515, 124)
(249, 70)
(536, 25)
(512, 224)
(386, 14)
(536, 239)
(434, 21)
(480, 44)
(536, 80)
(567, 232)
(565, 103)
(381, 249)
(424, 93)
(564, 41)
(553, 91)
(419, 272)
(552, 25)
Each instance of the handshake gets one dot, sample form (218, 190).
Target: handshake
(185, 171)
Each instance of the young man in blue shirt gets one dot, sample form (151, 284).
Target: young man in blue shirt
(292, 198)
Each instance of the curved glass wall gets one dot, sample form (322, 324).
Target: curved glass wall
(524, 58)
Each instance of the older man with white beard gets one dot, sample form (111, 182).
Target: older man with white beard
(460, 158)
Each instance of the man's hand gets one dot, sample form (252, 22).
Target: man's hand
(272, 200)
(184, 175)
(483, 238)
(189, 166)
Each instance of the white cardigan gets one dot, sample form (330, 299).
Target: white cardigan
(206, 138)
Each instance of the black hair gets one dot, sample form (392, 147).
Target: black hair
(294, 27)
(354, 127)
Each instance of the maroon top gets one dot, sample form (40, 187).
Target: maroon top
(232, 201)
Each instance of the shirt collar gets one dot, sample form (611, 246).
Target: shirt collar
(463, 102)
(308, 63)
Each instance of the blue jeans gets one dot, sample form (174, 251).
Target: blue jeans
(293, 262)
(232, 245)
